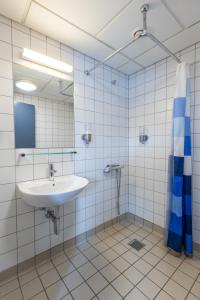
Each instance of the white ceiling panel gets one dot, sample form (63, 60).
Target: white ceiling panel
(14, 9)
(90, 15)
(138, 47)
(49, 24)
(120, 30)
(129, 68)
(117, 61)
(187, 11)
(151, 56)
(184, 39)
(96, 27)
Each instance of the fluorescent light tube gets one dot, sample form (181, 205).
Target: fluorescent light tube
(47, 61)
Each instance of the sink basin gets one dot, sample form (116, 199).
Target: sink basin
(46, 193)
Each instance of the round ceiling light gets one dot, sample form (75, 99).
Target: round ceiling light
(25, 85)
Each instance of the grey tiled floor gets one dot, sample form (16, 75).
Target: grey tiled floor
(105, 267)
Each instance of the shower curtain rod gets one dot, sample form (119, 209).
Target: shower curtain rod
(137, 35)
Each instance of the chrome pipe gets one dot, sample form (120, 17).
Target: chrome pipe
(138, 34)
(144, 9)
(132, 40)
(162, 46)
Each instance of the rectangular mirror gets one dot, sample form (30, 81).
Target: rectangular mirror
(44, 109)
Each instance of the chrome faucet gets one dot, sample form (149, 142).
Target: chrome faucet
(52, 171)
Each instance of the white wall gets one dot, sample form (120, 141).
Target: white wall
(150, 104)
(23, 231)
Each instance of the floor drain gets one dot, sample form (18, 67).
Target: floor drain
(137, 245)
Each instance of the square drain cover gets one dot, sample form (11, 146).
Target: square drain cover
(137, 245)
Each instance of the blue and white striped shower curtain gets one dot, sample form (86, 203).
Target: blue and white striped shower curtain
(179, 231)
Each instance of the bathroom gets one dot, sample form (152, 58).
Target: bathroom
(98, 200)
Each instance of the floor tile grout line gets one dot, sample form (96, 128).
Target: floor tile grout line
(139, 228)
(110, 262)
(20, 288)
(121, 273)
(69, 292)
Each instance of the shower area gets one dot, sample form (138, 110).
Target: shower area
(160, 150)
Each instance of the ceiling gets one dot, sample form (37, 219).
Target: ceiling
(98, 27)
(47, 85)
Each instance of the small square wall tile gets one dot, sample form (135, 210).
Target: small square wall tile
(109, 294)
(83, 292)
(133, 275)
(73, 280)
(175, 290)
(31, 288)
(87, 270)
(148, 288)
(57, 291)
(136, 294)
(97, 282)
(122, 285)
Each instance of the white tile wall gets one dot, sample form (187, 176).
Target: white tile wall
(24, 231)
(114, 114)
(150, 104)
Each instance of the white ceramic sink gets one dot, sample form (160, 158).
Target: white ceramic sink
(46, 193)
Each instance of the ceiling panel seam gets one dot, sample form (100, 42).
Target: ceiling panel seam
(26, 11)
(114, 17)
(173, 14)
(86, 32)
(172, 36)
